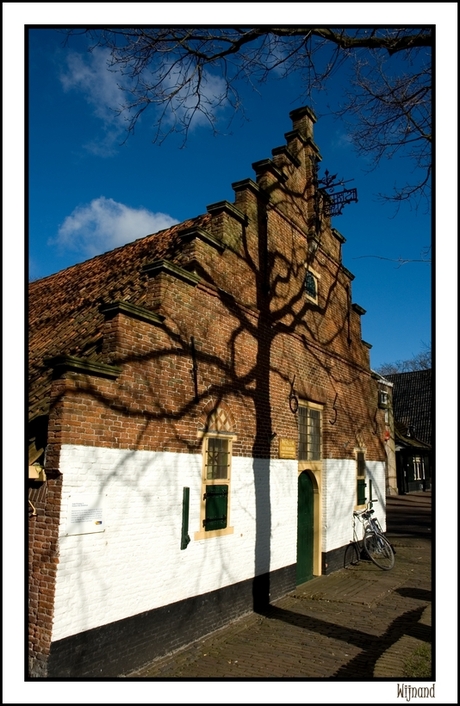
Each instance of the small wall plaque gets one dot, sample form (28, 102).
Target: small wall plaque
(287, 448)
(85, 515)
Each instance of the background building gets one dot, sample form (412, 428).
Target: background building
(412, 405)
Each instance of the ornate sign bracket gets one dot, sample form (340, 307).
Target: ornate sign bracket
(328, 201)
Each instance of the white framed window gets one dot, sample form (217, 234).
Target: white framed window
(217, 467)
(419, 467)
(310, 284)
(383, 399)
(216, 477)
(310, 431)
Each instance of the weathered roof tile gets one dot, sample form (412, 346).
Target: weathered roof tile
(412, 401)
(64, 315)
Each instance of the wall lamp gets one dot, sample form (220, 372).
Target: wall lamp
(312, 245)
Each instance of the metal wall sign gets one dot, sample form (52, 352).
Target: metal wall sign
(84, 514)
(335, 202)
(287, 448)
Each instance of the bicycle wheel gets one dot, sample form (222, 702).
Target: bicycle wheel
(379, 550)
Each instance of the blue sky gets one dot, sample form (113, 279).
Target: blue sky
(89, 193)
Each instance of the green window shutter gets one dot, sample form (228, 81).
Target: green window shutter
(185, 537)
(361, 491)
(216, 507)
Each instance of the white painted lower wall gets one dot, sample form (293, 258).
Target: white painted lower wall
(136, 564)
(339, 498)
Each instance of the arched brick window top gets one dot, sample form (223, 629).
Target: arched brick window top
(217, 418)
(219, 421)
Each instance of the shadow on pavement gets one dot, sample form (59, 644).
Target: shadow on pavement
(372, 647)
(420, 594)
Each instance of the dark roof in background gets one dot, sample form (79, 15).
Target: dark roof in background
(64, 316)
(405, 438)
(412, 401)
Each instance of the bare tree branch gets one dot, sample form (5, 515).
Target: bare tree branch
(188, 73)
(400, 260)
(420, 361)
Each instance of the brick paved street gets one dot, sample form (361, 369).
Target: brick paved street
(357, 623)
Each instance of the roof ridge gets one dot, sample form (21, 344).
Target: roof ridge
(189, 222)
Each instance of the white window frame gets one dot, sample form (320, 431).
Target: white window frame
(313, 463)
(317, 278)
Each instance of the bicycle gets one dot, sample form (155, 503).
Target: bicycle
(374, 543)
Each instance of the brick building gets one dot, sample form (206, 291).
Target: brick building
(203, 422)
(413, 413)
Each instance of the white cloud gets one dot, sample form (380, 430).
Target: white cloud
(341, 140)
(105, 224)
(95, 80)
(90, 74)
(184, 102)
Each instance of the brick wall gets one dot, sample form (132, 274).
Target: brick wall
(151, 405)
(43, 552)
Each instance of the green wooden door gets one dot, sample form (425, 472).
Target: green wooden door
(304, 529)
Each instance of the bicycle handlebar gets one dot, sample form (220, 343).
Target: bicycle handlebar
(362, 513)
(368, 508)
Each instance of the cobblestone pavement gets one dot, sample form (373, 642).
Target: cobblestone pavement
(358, 623)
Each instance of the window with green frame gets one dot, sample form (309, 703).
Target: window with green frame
(361, 484)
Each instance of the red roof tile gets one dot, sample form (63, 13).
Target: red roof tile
(64, 316)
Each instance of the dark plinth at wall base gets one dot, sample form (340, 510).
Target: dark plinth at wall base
(118, 648)
(333, 560)
(337, 559)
